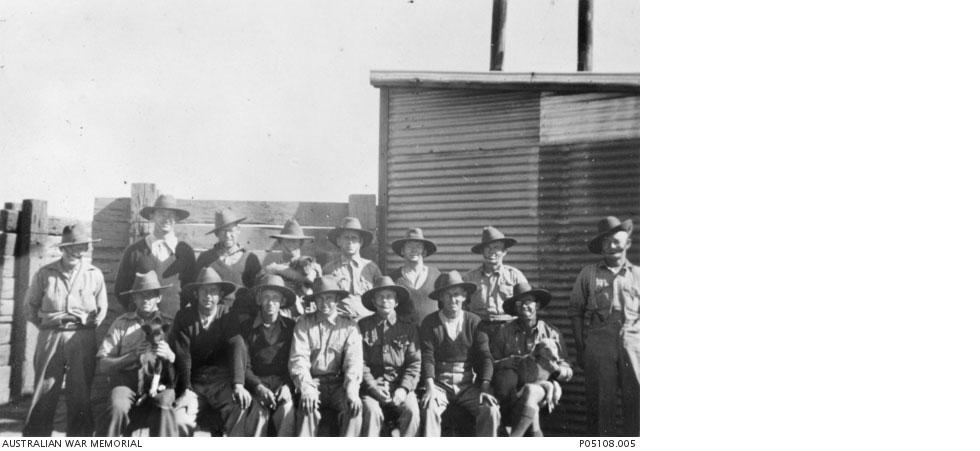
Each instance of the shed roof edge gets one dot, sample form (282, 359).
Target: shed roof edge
(532, 81)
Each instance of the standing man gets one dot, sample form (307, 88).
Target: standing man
(211, 356)
(456, 363)
(67, 301)
(326, 364)
(605, 312)
(269, 337)
(355, 274)
(515, 340)
(287, 250)
(173, 261)
(415, 275)
(392, 362)
(494, 280)
(119, 366)
(229, 258)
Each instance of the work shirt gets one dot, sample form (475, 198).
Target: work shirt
(492, 289)
(470, 351)
(197, 347)
(176, 269)
(326, 347)
(125, 334)
(268, 349)
(56, 296)
(391, 353)
(516, 339)
(609, 305)
(356, 275)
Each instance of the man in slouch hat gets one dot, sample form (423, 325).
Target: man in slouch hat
(494, 280)
(119, 365)
(67, 301)
(457, 366)
(269, 337)
(211, 357)
(229, 258)
(286, 252)
(516, 340)
(605, 312)
(172, 260)
(392, 362)
(416, 276)
(326, 364)
(355, 273)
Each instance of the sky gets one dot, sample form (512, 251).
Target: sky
(244, 100)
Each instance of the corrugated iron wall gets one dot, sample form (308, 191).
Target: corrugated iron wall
(542, 167)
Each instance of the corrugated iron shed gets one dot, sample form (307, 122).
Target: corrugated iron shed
(540, 156)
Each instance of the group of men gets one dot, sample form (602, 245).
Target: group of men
(282, 346)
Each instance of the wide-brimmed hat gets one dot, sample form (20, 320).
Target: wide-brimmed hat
(414, 234)
(165, 202)
(608, 226)
(491, 234)
(208, 276)
(225, 218)
(275, 283)
(449, 280)
(384, 283)
(523, 289)
(326, 284)
(351, 223)
(76, 234)
(291, 230)
(144, 282)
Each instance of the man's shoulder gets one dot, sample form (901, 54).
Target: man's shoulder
(473, 274)
(123, 320)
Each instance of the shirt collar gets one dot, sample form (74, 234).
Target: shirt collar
(257, 322)
(625, 268)
(221, 249)
(169, 239)
(356, 260)
(322, 317)
(446, 319)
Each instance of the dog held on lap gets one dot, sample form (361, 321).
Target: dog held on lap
(536, 387)
(153, 369)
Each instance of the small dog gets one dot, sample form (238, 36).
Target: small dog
(536, 369)
(151, 367)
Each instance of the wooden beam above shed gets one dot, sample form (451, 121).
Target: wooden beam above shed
(528, 81)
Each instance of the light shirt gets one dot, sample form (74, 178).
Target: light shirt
(453, 326)
(126, 334)
(162, 248)
(324, 346)
(415, 278)
(79, 295)
(492, 289)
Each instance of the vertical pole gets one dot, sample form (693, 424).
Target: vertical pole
(143, 195)
(498, 18)
(32, 226)
(382, 238)
(584, 35)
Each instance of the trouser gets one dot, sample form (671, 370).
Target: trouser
(62, 356)
(123, 416)
(259, 418)
(333, 400)
(608, 370)
(468, 397)
(407, 416)
(212, 389)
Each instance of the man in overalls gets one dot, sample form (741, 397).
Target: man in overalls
(605, 311)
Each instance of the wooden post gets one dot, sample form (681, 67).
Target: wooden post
(8, 238)
(143, 195)
(497, 20)
(382, 237)
(29, 257)
(584, 35)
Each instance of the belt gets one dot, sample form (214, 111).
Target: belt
(68, 326)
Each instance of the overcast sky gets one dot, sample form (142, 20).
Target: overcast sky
(243, 100)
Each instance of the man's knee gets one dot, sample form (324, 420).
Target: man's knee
(121, 399)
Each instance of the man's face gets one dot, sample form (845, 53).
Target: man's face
(164, 220)
(493, 253)
(147, 302)
(327, 303)
(616, 245)
(72, 254)
(349, 242)
(413, 251)
(527, 308)
(385, 301)
(208, 297)
(453, 299)
(290, 245)
(270, 301)
(228, 236)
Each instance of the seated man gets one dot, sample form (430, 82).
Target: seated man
(268, 337)
(210, 358)
(453, 348)
(326, 363)
(119, 365)
(391, 361)
(515, 341)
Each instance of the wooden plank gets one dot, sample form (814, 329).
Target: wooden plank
(266, 212)
(364, 207)
(29, 251)
(4, 353)
(8, 267)
(381, 240)
(143, 195)
(6, 333)
(537, 81)
(8, 241)
(8, 220)
(7, 307)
